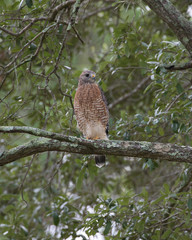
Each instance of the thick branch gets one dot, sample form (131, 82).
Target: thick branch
(175, 20)
(71, 144)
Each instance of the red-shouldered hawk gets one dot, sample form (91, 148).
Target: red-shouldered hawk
(91, 110)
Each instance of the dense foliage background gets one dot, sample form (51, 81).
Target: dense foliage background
(57, 195)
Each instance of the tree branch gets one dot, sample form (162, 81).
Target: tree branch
(50, 18)
(128, 95)
(63, 143)
(180, 67)
(174, 19)
(59, 8)
(103, 9)
(20, 32)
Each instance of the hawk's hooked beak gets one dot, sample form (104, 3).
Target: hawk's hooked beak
(93, 76)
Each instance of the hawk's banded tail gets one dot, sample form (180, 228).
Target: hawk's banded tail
(100, 160)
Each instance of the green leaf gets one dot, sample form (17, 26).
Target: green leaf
(127, 136)
(83, 237)
(148, 129)
(29, 3)
(158, 70)
(148, 88)
(60, 28)
(166, 188)
(6, 197)
(19, 123)
(161, 131)
(140, 225)
(179, 88)
(158, 200)
(32, 46)
(189, 203)
(150, 164)
(127, 50)
(55, 218)
(175, 126)
(107, 228)
(92, 169)
(166, 234)
(80, 178)
(145, 194)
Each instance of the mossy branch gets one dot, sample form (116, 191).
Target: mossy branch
(174, 19)
(63, 143)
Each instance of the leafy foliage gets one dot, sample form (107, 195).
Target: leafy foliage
(65, 196)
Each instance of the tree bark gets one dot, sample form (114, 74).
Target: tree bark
(63, 143)
(174, 19)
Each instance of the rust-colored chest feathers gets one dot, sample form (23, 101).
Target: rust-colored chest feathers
(91, 111)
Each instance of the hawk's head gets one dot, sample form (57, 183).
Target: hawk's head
(87, 76)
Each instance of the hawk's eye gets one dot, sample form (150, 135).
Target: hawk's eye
(87, 75)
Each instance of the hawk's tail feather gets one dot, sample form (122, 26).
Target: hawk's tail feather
(100, 160)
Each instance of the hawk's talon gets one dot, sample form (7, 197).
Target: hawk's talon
(96, 138)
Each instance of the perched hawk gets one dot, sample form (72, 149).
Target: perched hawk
(91, 110)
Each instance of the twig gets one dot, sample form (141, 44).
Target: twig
(181, 67)
(70, 25)
(58, 164)
(13, 86)
(3, 80)
(66, 95)
(98, 11)
(176, 98)
(59, 8)
(61, 91)
(39, 47)
(27, 44)
(21, 32)
(178, 190)
(78, 35)
(127, 95)
(22, 184)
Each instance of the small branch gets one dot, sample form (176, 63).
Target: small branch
(188, 87)
(66, 95)
(32, 21)
(39, 47)
(19, 33)
(186, 182)
(180, 189)
(69, 26)
(74, 14)
(10, 91)
(27, 44)
(142, 149)
(179, 67)
(59, 8)
(98, 11)
(78, 35)
(22, 184)
(127, 95)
